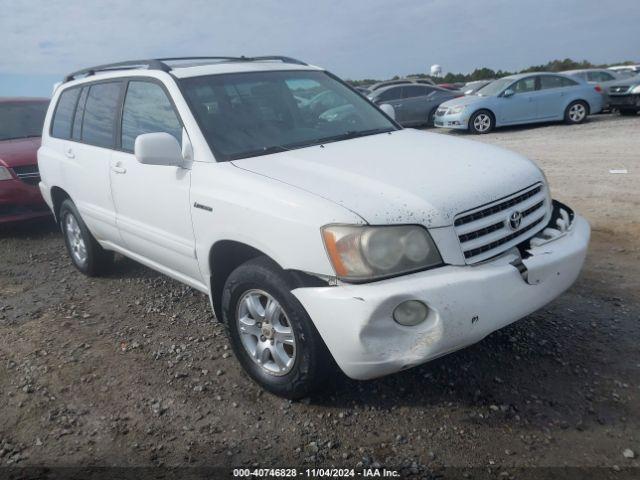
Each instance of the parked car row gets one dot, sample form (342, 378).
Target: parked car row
(480, 106)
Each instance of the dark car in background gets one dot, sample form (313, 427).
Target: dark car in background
(21, 121)
(624, 96)
(414, 104)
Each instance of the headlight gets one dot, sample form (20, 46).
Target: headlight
(366, 253)
(636, 89)
(457, 109)
(5, 174)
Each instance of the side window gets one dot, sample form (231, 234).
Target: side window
(76, 134)
(525, 85)
(551, 81)
(101, 107)
(414, 91)
(391, 94)
(61, 125)
(567, 82)
(147, 110)
(599, 77)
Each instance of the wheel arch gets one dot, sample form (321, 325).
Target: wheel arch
(581, 100)
(58, 195)
(227, 255)
(489, 111)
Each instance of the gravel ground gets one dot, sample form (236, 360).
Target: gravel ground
(132, 369)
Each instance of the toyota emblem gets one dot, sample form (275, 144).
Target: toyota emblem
(515, 219)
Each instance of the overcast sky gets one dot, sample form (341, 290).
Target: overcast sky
(42, 40)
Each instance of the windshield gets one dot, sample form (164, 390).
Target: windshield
(495, 87)
(257, 113)
(22, 119)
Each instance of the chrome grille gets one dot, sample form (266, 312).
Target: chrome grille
(28, 174)
(486, 231)
(619, 89)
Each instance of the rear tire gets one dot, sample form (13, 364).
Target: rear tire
(576, 112)
(482, 122)
(86, 253)
(282, 352)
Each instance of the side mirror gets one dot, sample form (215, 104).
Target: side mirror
(158, 149)
(389, 110)
(508, 93)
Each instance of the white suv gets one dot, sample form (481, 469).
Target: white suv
(321, 230)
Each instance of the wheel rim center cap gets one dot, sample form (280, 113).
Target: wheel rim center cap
(267, 330)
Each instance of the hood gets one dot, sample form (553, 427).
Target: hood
(407, 176)
(466, 100)
(627, 82)
(19, 152)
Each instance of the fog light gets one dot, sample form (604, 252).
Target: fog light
(410, 313)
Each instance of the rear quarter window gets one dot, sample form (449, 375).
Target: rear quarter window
(63, 116)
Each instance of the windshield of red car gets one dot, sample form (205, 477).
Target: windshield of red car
(22, 119)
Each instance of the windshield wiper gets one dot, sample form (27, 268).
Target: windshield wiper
(348, 135)
(294, 146)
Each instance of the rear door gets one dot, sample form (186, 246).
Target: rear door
(83, 129)
(551, 97)
(152, 201)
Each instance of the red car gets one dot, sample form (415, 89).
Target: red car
(21, 121)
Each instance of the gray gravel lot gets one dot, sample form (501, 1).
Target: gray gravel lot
(132, 369)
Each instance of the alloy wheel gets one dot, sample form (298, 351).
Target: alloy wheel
(577, 112)
(265, 332)
(482, 122)
(77, 245)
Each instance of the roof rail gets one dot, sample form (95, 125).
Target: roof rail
(132, 64)
(161, 64)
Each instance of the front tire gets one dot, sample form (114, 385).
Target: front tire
(431, 119)
(576, 112)
(86, 253)
(482, 122)
(270, 332)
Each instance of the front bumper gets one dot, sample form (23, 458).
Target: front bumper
(458, 121)
(624, 101)
(20, 201)
(467, 303)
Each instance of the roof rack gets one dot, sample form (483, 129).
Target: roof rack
(161, 64)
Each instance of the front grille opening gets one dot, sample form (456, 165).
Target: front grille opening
(502, 241)
(497, 208)
(29, 174)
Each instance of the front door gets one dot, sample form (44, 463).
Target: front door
(416, 104)
(152, 202)
(521, 106)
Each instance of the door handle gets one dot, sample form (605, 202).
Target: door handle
(69, 153)
(118, 168)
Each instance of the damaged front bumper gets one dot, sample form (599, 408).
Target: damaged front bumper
(466, 302)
